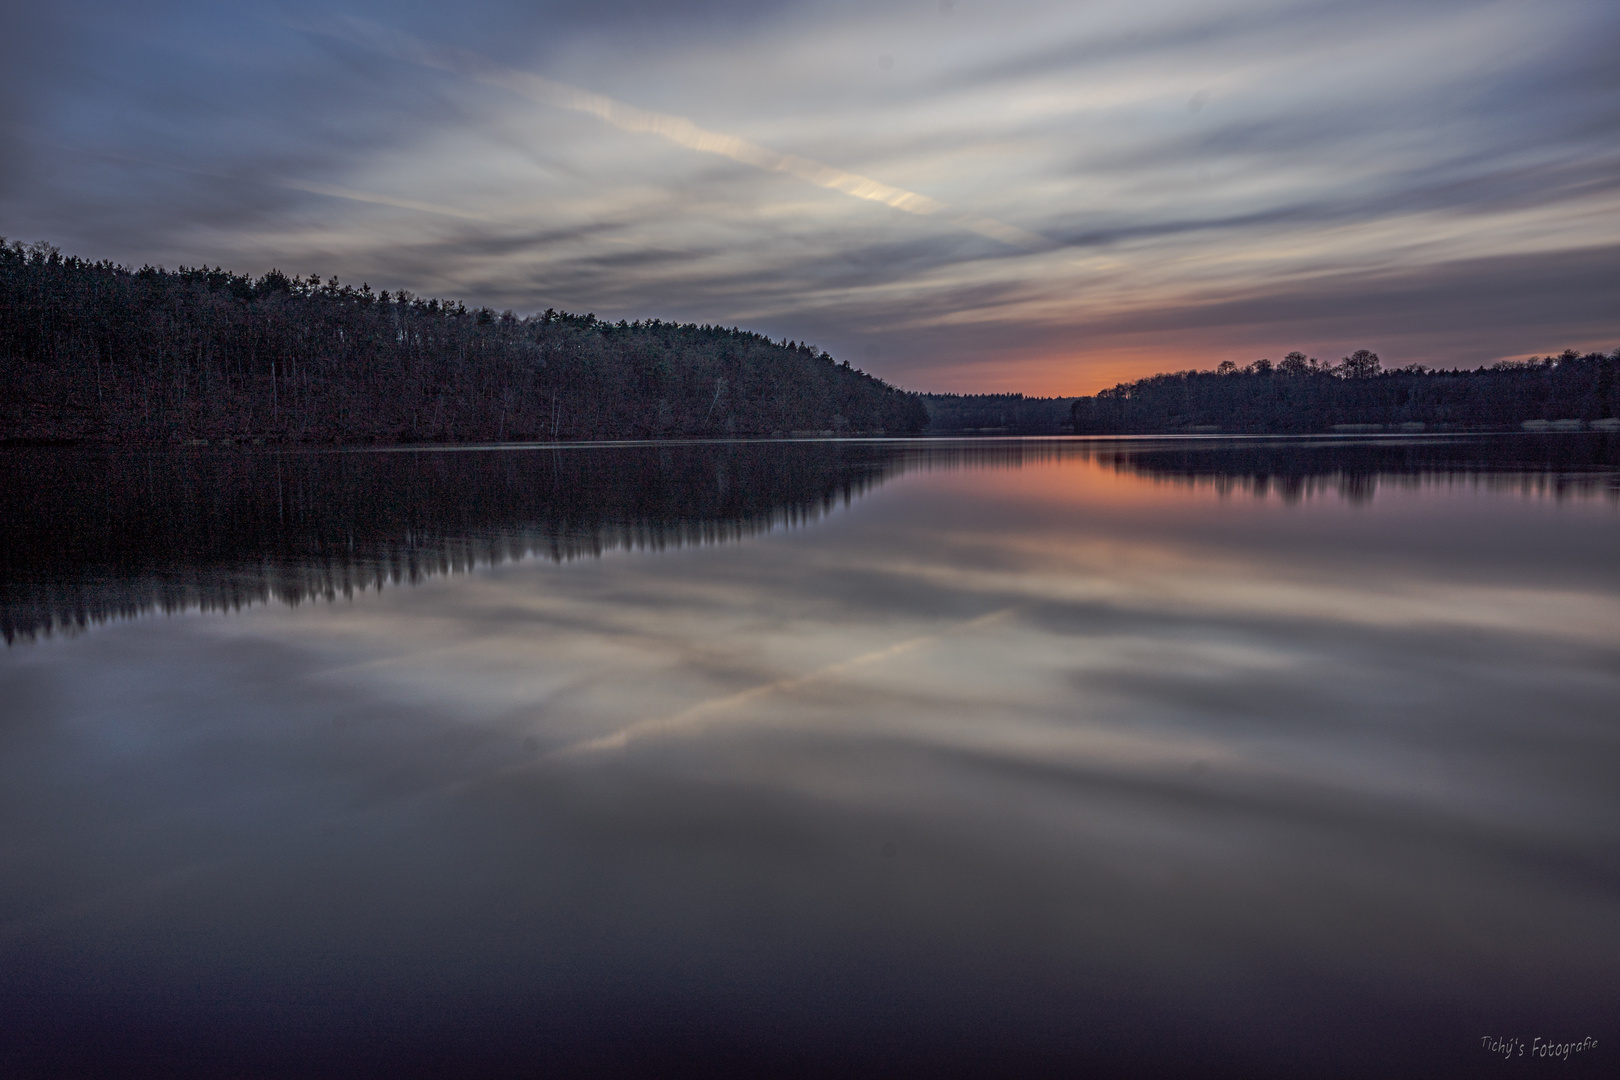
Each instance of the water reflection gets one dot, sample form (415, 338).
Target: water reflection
(96, 535)
(1042, 758)
(1293, 469)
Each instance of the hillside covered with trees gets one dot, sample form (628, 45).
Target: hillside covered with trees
(99, 353)
(1569, 391)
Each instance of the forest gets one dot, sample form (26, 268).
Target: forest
(996, 414)
(1569, 391)
(97, 353)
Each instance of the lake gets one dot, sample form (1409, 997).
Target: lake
(1116, 757)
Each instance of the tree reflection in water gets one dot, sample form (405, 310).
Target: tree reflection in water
(95, 535)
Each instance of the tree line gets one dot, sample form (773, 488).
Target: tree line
(97, 352)
(996, 414)
(1302, 394)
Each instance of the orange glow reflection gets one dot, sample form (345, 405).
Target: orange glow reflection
(1070, 472)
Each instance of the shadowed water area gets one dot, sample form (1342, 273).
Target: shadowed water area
(1119, 757)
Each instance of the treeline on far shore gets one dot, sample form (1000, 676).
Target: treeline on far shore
(1569, 391)
(96, 352)
(996, 414)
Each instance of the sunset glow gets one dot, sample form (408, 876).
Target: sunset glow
(1038, 197)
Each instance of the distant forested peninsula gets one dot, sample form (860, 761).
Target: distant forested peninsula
(95, 352)
(1299, 395)
(996, 414)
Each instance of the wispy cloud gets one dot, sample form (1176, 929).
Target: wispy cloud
(679, 130)
(336, 192)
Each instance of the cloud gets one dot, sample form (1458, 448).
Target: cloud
(1063, 218)
(681, 131)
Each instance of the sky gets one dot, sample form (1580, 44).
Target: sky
(955, 195)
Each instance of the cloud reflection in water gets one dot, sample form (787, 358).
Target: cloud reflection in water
(1002, 766)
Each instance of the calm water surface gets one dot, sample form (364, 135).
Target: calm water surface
(1136, 757)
